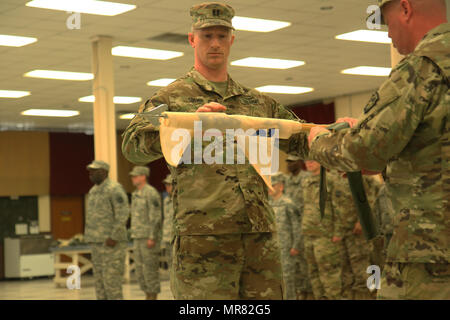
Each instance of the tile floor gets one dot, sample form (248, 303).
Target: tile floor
(45, 289)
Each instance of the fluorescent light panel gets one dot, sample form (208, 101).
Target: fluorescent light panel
(145, 53)
(366, 36)
(160, 82)
(258, 25)
(127, 116)
(59, 75)
(116, 100)
(267, 63)
(368, 71)
(50, 113)
(284, 89)
(13, 94)
(15, 41)
(104, 8)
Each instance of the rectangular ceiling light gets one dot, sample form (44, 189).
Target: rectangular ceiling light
(258, 25)
(59, 75)
(368, 71)
(13, 94)
(50, 113)
(116, 100)
(104, 8)
(267, 63)
(145, 53)
(160, 82)
(284, 89)
(15, 41)
(127, 116)
(366, 36)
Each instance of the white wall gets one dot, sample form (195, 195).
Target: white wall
(351, 105)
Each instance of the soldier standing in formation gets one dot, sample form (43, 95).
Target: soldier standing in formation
(288, 221)
(146, 231)
(323, 239)
(168, 220)
(105, 231)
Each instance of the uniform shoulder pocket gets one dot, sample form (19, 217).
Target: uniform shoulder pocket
(387, 93)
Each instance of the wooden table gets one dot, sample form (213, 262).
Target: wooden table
(75, 253)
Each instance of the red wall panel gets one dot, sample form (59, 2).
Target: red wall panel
(70, 153)
(317, 113)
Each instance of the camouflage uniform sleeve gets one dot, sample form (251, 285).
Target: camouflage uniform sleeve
(297, 144)
(295, 218)
(119, 201)
(141, 143)
(154, 214)
(389, 121)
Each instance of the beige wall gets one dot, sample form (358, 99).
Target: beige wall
(351, 105)
(24, 163)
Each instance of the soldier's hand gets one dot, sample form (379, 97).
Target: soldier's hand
(110, 242)
(294, 252)
(150, 243)
(357, 229)
(212, 107)
(350, 121)
(314, 132)
(336, 239)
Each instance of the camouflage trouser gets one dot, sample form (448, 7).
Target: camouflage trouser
(357, 253)
(168, 252)
(229, 266)
(418, 281)
(108, 265)
(302, 276)
(324, 260)
(291, 267)
(147, 265)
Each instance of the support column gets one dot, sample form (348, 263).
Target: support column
(104, 111)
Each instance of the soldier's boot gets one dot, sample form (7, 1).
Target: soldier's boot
(310, 296)
(150, 296)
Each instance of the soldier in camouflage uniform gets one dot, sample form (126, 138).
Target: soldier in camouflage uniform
(168, 220)
(288, 220)
(146, 231)
(357, 250)
(323, 239)
(293, 190)
(405, 126)
(105, 231)
(225, 245)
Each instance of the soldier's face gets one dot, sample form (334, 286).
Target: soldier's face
(97, 175)
(312, 166)
(168, 188)
(396, 17)
(138, 180)
(212, 46)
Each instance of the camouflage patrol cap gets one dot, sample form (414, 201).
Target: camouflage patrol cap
(140, 171)
(278, 178)
(210, 14)
(98, 164)
(168, 179)
(291, 157)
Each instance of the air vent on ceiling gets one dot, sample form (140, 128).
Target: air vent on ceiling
(170, 37)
